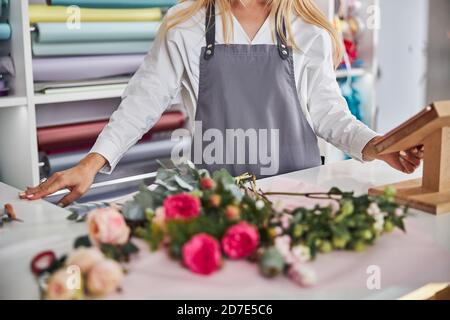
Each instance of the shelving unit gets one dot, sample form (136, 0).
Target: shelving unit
(19, 161)
(367, 74)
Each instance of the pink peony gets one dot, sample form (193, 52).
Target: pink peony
(240, 240)
(61, 286)
(104, 278)
(201, 254)
(182, 206)
(85, 258)
(107, 226)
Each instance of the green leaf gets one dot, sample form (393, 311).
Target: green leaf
(183, 184)
(132, 211)
(130, 248)
(82, 241)
(73, 216)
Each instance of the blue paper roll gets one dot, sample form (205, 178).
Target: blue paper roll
(96, 31)
(90, 48)
(5, 31)
(115, 3)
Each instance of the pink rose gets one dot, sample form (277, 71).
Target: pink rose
(62, 287)
(104, 278)
(240, 240)
(201, 254)
(207, 183)
(107, 226)
(85, 258)
(182, 206)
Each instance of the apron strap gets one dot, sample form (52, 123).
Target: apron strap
(210, 29)
(283, 49)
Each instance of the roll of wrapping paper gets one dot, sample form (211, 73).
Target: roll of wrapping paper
(85, 68)
(82, 134)
(144, 151)
(5, 31)
(53, 32)
(44, 13)
(114, 3)
(7, 66)
(90, 48)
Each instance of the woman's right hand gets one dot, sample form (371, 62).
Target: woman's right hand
(77, 179)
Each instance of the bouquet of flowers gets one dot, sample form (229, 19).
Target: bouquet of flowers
(202, 220)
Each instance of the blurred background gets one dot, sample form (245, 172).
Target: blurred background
(59, 83)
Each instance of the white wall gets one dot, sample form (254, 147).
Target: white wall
(401, 89)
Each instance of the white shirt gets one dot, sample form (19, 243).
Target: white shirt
(171, 68)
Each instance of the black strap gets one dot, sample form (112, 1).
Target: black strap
(210, 27)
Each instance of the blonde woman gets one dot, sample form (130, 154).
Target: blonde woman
(262, 65)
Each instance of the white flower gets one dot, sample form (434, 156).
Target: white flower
(373, 209)
(285, 221)
(379, 222)
(278, 231)
(301, 253)
(283, 245)
(302, 275)
(399, 212)
(259, 204)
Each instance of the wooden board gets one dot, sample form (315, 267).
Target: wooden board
(412, 194)
(414, 131)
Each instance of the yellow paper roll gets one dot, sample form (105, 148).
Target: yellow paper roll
(44, 13)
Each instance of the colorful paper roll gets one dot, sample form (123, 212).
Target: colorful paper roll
(89, 48)
(83, 134)
(85, 67)
(5, 31)
(43, 13)
(96, 31)
(114, 3)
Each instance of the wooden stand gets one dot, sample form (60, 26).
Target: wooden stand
(431, 128)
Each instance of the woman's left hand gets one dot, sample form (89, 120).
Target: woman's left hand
(406, 161)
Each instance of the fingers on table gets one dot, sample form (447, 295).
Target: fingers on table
(54, 183)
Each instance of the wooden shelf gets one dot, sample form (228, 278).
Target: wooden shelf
(12, 101)
(40, 98)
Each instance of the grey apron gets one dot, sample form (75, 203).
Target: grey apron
(247, 93)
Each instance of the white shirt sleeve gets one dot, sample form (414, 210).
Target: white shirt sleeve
(330, 115)
(146, 97)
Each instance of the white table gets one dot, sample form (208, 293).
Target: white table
(45, 227)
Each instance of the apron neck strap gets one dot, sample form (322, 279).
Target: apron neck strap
(210, 29)
(283, 49)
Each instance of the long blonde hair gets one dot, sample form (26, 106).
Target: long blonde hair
(305, 9)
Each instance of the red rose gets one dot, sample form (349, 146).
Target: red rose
(240, 240)
(181, 206)
(201, 254)
(207, 183)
